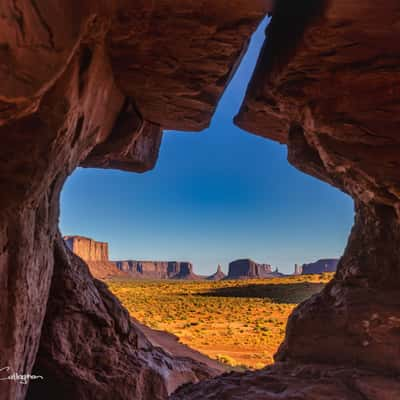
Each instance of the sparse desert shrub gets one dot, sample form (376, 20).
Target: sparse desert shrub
(225, 360)
(214, 324)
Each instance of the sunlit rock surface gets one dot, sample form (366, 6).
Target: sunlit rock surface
(86, 248)
(93, 83)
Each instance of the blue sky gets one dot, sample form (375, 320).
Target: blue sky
(213, 197)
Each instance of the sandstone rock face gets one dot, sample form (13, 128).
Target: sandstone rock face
(87, 249)
(247, 269)
(320, 266)
(131, 146)
(93, 83)
(327, 84)
(292, 382)
(95, 254)
(71, 95)
(91, 349)
(174, 57)
(218, 275)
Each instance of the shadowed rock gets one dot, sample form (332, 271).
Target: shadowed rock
(93, 83)
(326, 84)
(91, 348)
(320, 266)
(295, 381)
(157, 269)
(248, 269)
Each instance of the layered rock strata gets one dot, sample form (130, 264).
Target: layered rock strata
(87, 249)
(327, 85)
(157, 269)
(91, 349)
(92, 83)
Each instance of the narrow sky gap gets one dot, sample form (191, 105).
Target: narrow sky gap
(213, 197)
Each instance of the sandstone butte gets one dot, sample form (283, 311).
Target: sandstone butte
(95, 255)
(94, 83)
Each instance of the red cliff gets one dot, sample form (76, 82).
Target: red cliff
(87, 249)
(94, 83)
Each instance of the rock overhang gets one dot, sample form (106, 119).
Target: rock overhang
(332, 95)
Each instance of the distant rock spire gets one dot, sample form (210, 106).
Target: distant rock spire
(297, 269)
(219, 275)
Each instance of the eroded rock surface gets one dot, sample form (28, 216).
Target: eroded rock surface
(91, 349)
(327, 85)
(285, 381)
(92, 83)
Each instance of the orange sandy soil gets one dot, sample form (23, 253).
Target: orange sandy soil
(239, 323)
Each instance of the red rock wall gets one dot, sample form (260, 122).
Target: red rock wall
(327, 84)
(92, 83)
(91, 349)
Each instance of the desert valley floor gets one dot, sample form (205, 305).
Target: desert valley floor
(239, 323)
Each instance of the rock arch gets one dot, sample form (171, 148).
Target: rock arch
(93, 83)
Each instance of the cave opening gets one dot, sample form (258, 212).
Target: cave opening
(203, 187)
(94, 84)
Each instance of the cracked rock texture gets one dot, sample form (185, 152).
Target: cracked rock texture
(93, 83)
(295, 382)
(91, 349)
(327, 85)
